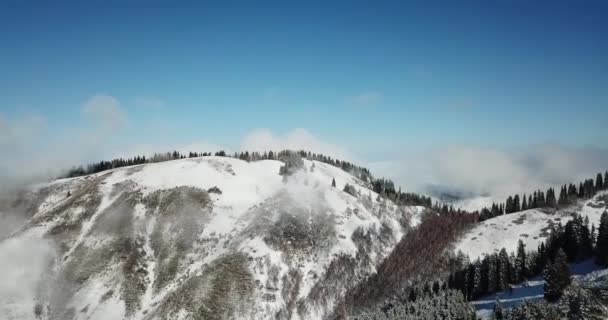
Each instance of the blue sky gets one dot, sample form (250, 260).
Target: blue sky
(369, 76)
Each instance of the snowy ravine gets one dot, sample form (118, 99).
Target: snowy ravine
(199, 238)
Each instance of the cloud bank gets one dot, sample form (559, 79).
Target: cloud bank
(30, 150)
(491, 171)
(33, 150)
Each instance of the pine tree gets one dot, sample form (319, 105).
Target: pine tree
(601, 246)
(477, 280)
(570, 241)
(520, 262)
(333, 182)
(563, 196)
(577, 303)
(524, 203)
(509, 205)
(516, 204)
(541, 199)
(586, 239)
(599, 182)
(551, 202)
(492, 273)
(504, 270)
(557, 276)
(541, 259)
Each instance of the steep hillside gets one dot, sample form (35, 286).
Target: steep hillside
(531, 226)
(201, 238)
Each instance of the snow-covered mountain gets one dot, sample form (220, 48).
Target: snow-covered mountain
(200, 238)
(531, 226)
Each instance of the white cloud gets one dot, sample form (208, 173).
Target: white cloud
(106, 110)
(367, 99)
(297, 139)
(24, 264)
(493, 171)
(31, 150)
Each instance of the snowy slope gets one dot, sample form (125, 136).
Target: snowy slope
(531, 226)
(585, 271)
(203, 238)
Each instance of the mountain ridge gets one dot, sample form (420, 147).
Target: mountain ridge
(137, 239)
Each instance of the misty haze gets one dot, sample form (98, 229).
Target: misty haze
(393, 160)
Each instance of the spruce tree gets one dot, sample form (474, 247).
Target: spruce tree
(557, 276)
(586, 240)
(563, 197)
(509, 205)
(520, 262)
(492, 273)
(601, 246)
(333, 182)
(504, 270)
(599, 182)
(570, 241)
(551, 202)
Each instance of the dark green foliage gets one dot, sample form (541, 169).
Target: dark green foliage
(430, 304)
(557, 276)
(499, 271)
(539, 199)
(576, 239)
(599, 182)
(601, 248)
(521, 269)
(578, 302)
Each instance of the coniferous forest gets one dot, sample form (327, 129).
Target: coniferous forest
(568, 195)
(470, 280)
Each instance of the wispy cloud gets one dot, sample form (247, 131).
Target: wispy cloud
(297, 139)
(105, 110)
(33, 150)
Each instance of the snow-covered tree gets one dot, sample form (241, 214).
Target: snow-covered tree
(557, 276)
